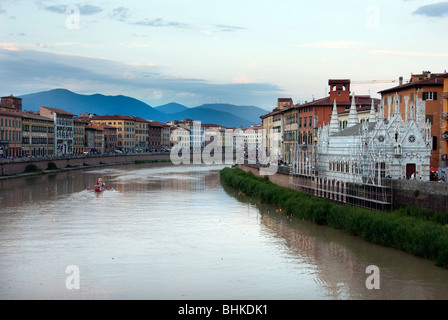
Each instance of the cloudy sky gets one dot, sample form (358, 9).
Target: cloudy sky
(247, 52)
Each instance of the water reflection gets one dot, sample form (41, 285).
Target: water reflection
(340, 260)
(170, 232)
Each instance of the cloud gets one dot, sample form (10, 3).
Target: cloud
(83, 9)
(439, 9)
(120, 13)
(160, 23)
(227, 28)
(28, 71)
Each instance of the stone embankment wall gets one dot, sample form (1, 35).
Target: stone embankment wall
(426, 195)
(13, 168)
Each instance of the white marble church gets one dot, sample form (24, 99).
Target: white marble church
(379, 148)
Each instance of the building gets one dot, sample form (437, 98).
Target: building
(10, 134)
(125, 130)
(163, 129)
(429, 88)
(11, 102)
(444, 128)
(110, 138)
(297, 124)
(180, 137)
(141, 134)
(366, 153)
(253, 142)
(155, 136)
(79, 134)
(272, 124)
(64, 129)
(196, 130)
(94, 138)
(37, 135)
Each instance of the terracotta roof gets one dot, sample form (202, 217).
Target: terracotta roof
(435, 80)
(33, 115)
(114, 117)
(59, 111)
(338, 81)
(157, 124)
(360, 100)
(139, 119)
(81, 119)
(11, 114)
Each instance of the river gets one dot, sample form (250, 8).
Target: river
(174, 232)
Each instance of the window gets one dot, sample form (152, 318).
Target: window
(430, 118)
(434, 143)
(428, 96)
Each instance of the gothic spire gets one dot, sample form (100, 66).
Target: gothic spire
(334, 123)
(353, 119)
(372, 117)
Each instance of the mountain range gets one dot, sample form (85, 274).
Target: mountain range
(227, 115)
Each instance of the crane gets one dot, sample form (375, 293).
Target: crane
(374, 81)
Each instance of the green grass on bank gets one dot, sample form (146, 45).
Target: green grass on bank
(413, 230)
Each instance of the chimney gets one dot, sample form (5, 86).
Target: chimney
(400, 81)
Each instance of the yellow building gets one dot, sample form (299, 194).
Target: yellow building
(125, 130)
(273, 123)
(141, 134)
(37, 135)
(79, 134)
(10, 134)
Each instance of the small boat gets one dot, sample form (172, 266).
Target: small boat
(98, 189)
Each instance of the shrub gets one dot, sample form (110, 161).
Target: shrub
(32, 168)
(52, 166)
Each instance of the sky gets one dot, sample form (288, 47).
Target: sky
(245, 52)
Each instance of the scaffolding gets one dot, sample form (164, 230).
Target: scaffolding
(373, 191)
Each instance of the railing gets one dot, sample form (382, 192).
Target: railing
(78, 156)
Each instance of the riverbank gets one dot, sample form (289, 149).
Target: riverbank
(413, 230)
(41, 167)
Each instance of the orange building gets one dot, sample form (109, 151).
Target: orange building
(429, 88)
(298, 123)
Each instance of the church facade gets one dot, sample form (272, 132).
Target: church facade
(366, 153)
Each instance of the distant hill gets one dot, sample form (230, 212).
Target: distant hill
(222, 114)
(250, 113)
(97, 103)
(212, 116)
(171, 108)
